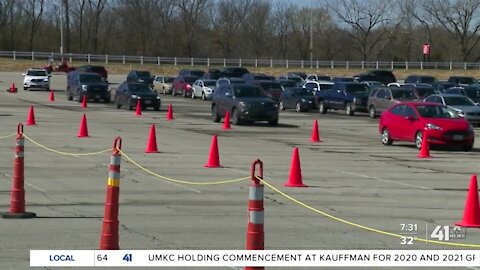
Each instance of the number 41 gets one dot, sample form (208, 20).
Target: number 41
(441, 233)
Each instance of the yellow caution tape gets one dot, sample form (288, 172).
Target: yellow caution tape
(8, 136)
(65, 153)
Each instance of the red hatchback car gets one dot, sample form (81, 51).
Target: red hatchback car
(406, 122)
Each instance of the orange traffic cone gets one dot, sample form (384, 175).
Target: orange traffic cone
(425, 149)
(170, 112)
(52, 96)
(315, 134)
(31, 117)
(83, 131)
(471, 213)
(84, 102)
(138, 110)
(152, 141)
(13, 89)
(226, 122)
(213, 159)
(295, 179)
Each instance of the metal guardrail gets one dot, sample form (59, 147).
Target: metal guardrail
(272, 63)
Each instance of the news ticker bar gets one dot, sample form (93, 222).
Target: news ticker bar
(273, 258)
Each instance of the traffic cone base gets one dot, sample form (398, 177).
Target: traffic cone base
(425, 148)
(213, 159)
(18, 215)
(12, 89)
(471, 213)
(295, 178)
(152, 141)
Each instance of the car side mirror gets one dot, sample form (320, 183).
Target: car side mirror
(410, 118)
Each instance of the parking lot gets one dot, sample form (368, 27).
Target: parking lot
(350, 175)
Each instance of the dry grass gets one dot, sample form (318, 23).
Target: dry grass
(118, 68)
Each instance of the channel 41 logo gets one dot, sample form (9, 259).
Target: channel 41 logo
(445, 233)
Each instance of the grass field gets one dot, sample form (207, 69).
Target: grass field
(119, 68)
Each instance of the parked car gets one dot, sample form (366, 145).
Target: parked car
(62, 67)
(441, 86)
(464, 106)
(472, 91)
(342, 79)
(315, 77)
(272, 88)
(372, 84)
(383, 76)
(348, 96)
(100, 70)
(128, 95)
(245, 103)
(233, 72)
(286, 83)
(462, 80)
(140, 76)
(213, 74)
(318, 85)
(87, 84)
(422, 90)
(407, 122)
(163, 84)
(36, 78)
(381, 98)
(227, 81)
(297, 79)
(421, 79)
(252, 77)
(183, 85)
(191, 72)
(203, 88)
(300, 99)
(302, 75)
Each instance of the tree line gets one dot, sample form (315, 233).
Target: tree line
(370, 30)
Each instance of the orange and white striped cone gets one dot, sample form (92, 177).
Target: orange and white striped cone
(109, 238)
(255, 227)
(17, 201)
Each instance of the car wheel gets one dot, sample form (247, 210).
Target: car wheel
(468, 148)
(372, 112)
(349, 109)
(215, 117)
(129, 103)
(156, 108)
(236, 117)
(79, 97)
(282, 107)
(106, 100)
(25, 88)
(298, 107)
(69, 97)
(273, 122)
(386, 137)
(321, 107)
(163, 91)
(118, 105)
(418, 139)
(204, 97)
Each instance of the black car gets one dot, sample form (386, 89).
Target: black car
(441, 86)
(342, 79)
(213, 74)
(472, 91)
(191, 72)
(287, 83)
(300, 74)
(245, 103)
(87, 84)
(252, 77)
(383, 76)
(462, 80)
(421, 79)
(128, 94)
(140, 76)
(300, 99)
(233, 72)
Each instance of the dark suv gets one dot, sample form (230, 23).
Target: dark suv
(140, 76)
(91, 85)
(100, 70)
(245, 103)
(236, 72)
(383, 76)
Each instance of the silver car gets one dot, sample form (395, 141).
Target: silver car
(462, 104)
(163, 84)
(203, 88)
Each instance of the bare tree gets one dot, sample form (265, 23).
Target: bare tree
(460, 19)
(370, 22)
(191, 12)
(257, 27)
(33, 10)
(283, 13)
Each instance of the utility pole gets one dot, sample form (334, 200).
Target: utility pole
(61, 29)
(311, 34)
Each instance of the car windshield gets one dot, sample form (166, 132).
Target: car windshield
(139, 88)
(169, 79)
(326, 86)
(424, 92)
(404, 94)
(458, 101)
(36, 73)
(270, 85)
(303, 92)
(90, 78)
(436, 111)
(210, 83)
(144, 74)
(249, 92)
(356, 88)
(97, 69)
